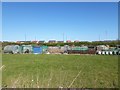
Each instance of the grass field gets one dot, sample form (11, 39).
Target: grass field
(53, 71)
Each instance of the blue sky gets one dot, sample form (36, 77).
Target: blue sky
(45, 21)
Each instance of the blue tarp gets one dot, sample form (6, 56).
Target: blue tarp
(37, 50)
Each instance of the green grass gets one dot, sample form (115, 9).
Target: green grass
(53, 71)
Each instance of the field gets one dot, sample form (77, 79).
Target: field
(54, 71)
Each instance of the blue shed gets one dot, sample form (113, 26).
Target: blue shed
(37, 50)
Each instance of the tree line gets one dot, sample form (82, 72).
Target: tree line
(95, 43)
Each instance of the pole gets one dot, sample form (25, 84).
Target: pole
(35, 38)
(106, 34)
(63, 37)
(66, 37)
(99, 37)
(25, 37)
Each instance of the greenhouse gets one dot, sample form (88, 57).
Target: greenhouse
(12, 49)
(27, 49)
(83, 48)
(44, 49)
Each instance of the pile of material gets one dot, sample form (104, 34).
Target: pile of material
(56, 49)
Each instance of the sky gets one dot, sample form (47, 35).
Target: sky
(83, 21)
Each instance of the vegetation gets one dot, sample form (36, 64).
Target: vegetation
(53, 71)
(95, 43)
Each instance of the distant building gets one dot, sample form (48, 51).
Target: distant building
(76, 41)
(60, 41)
(68, 41)
(18, 42)
(107, 41)
(35, 41)
(42, 41)
(52, 41)
(22, 42)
